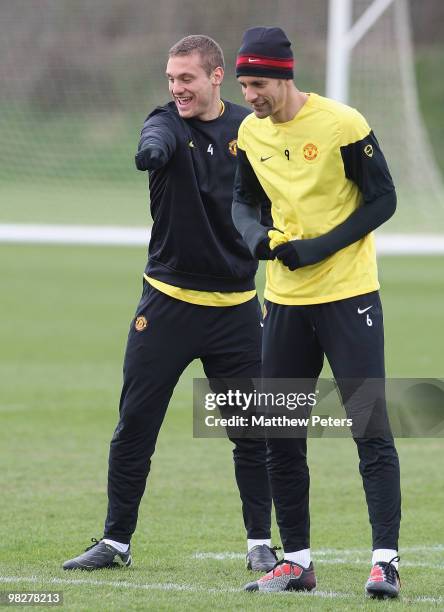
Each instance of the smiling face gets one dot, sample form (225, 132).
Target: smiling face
(195, 92)
(266, 96)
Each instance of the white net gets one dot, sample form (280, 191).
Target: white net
(383, 88)
(78, 78)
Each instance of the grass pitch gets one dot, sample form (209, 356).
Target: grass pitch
(65, 316)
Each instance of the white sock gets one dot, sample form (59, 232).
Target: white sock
(123, 548)
(303, 557)
(384, 554)
(252, 543)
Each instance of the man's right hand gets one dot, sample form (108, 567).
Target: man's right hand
(263, 251)
(149, 159)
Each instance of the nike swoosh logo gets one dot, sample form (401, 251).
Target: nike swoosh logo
(265, 158)
(361, 311)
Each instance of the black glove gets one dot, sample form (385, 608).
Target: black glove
(149, 159)
(263, 251)
(287, 253)
(299, 253)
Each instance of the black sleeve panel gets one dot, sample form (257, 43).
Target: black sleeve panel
(157, 144)
(255, 234)
(250, 205)
(247, 188)
(266, 218)
(361, 222)
(365, 165)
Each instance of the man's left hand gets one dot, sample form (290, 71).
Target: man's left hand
(287, 253)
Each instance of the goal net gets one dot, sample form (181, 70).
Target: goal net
(383, 87)
(78, 78)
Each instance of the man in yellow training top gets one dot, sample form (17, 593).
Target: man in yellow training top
(320, 165)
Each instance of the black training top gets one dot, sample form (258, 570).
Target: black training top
(194, 243)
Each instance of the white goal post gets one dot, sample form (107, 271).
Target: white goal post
(342, 37)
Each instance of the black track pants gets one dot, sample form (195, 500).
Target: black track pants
(228, 341)
(350, 333)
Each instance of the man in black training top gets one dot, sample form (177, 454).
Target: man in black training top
(198, 301)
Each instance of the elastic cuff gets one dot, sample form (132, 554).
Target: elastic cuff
(123, 539)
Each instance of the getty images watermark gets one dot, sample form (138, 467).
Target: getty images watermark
(318, 408)
(272, 402)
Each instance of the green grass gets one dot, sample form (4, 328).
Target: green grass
(65, 315)
(93, 204)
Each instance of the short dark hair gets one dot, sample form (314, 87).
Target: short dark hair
(210, 52)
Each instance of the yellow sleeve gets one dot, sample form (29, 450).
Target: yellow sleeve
(354, 126)
(240, 136)
(241, 142)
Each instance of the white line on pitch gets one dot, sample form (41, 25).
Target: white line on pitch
(167, 586)
(332, 561)
(170, 586)
(353, 551)
(386, 244)
(75, 234)
(324, 552)
(350, 556)
(222, 556)
(436, 566)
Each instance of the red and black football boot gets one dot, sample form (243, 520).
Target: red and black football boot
(383, 581)
(285, 576)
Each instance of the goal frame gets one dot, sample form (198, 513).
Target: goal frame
(342, 37)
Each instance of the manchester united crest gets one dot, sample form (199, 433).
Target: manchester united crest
(140, 323)
(232, 147)
(310, 152)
